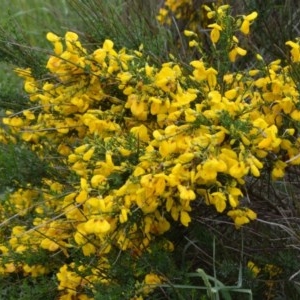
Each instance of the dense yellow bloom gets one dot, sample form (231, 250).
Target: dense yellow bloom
(140, 143)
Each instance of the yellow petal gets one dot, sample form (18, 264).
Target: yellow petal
(51, 37)
(185, 218)
(97, 180)
(97, 225)
(245, 28)
(252, 16)
(88, 155)
(215, 35)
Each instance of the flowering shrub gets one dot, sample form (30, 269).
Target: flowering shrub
(141, 147)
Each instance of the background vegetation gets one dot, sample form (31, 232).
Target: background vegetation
(209, 243)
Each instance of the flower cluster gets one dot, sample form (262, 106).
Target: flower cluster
(143, 146)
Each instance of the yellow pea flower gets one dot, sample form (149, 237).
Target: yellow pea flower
(254, 170)
(9, 268)
(253, 267)
(141, 133)
(159, 184)
(88, 249)
(278, 170)
(200, 72)
(30, 87)
(51, 37)
(238, 170)
(218, 199)
(245, 27)
(185, 218)
(82, 196)
(58, 48)
(162, 225)
(193, 43)
(139, 110)
(236, 51)
(295, 115)
(185, 193)
(231, 94)
(81, 149)
(88, 155)
(189, 33)
(242, 216)
(97, 180)
(150, 281)
(215, 33)
(211, 76)
(233, 195)
(97, 225)
(16, 122)
(49, 245)
(123, 217)
(295, 51)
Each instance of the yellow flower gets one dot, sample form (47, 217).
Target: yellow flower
(242, 216)
(295, 51)
(97, 225)
(166, 78)
(254, 268)
(14, 121)
(51, 37)
(233, 196)
(238, 170)
(139, 109)
(211, 76)
(215, 33)
(82, 196)
(68, 280)
(88, 155)
(189, 33)
(245, 27)
(236, 51)
(295, 115)
(49, 244)
(151, 281)
(97, 180)
(185, 218)
(141, 133)
(218, 199)
(185, 193)
(278, 170)
(200, 72)
(209, 170)
(270, 140)
(231, 94)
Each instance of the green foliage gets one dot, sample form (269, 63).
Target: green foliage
(19, 167)
(27, 288)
